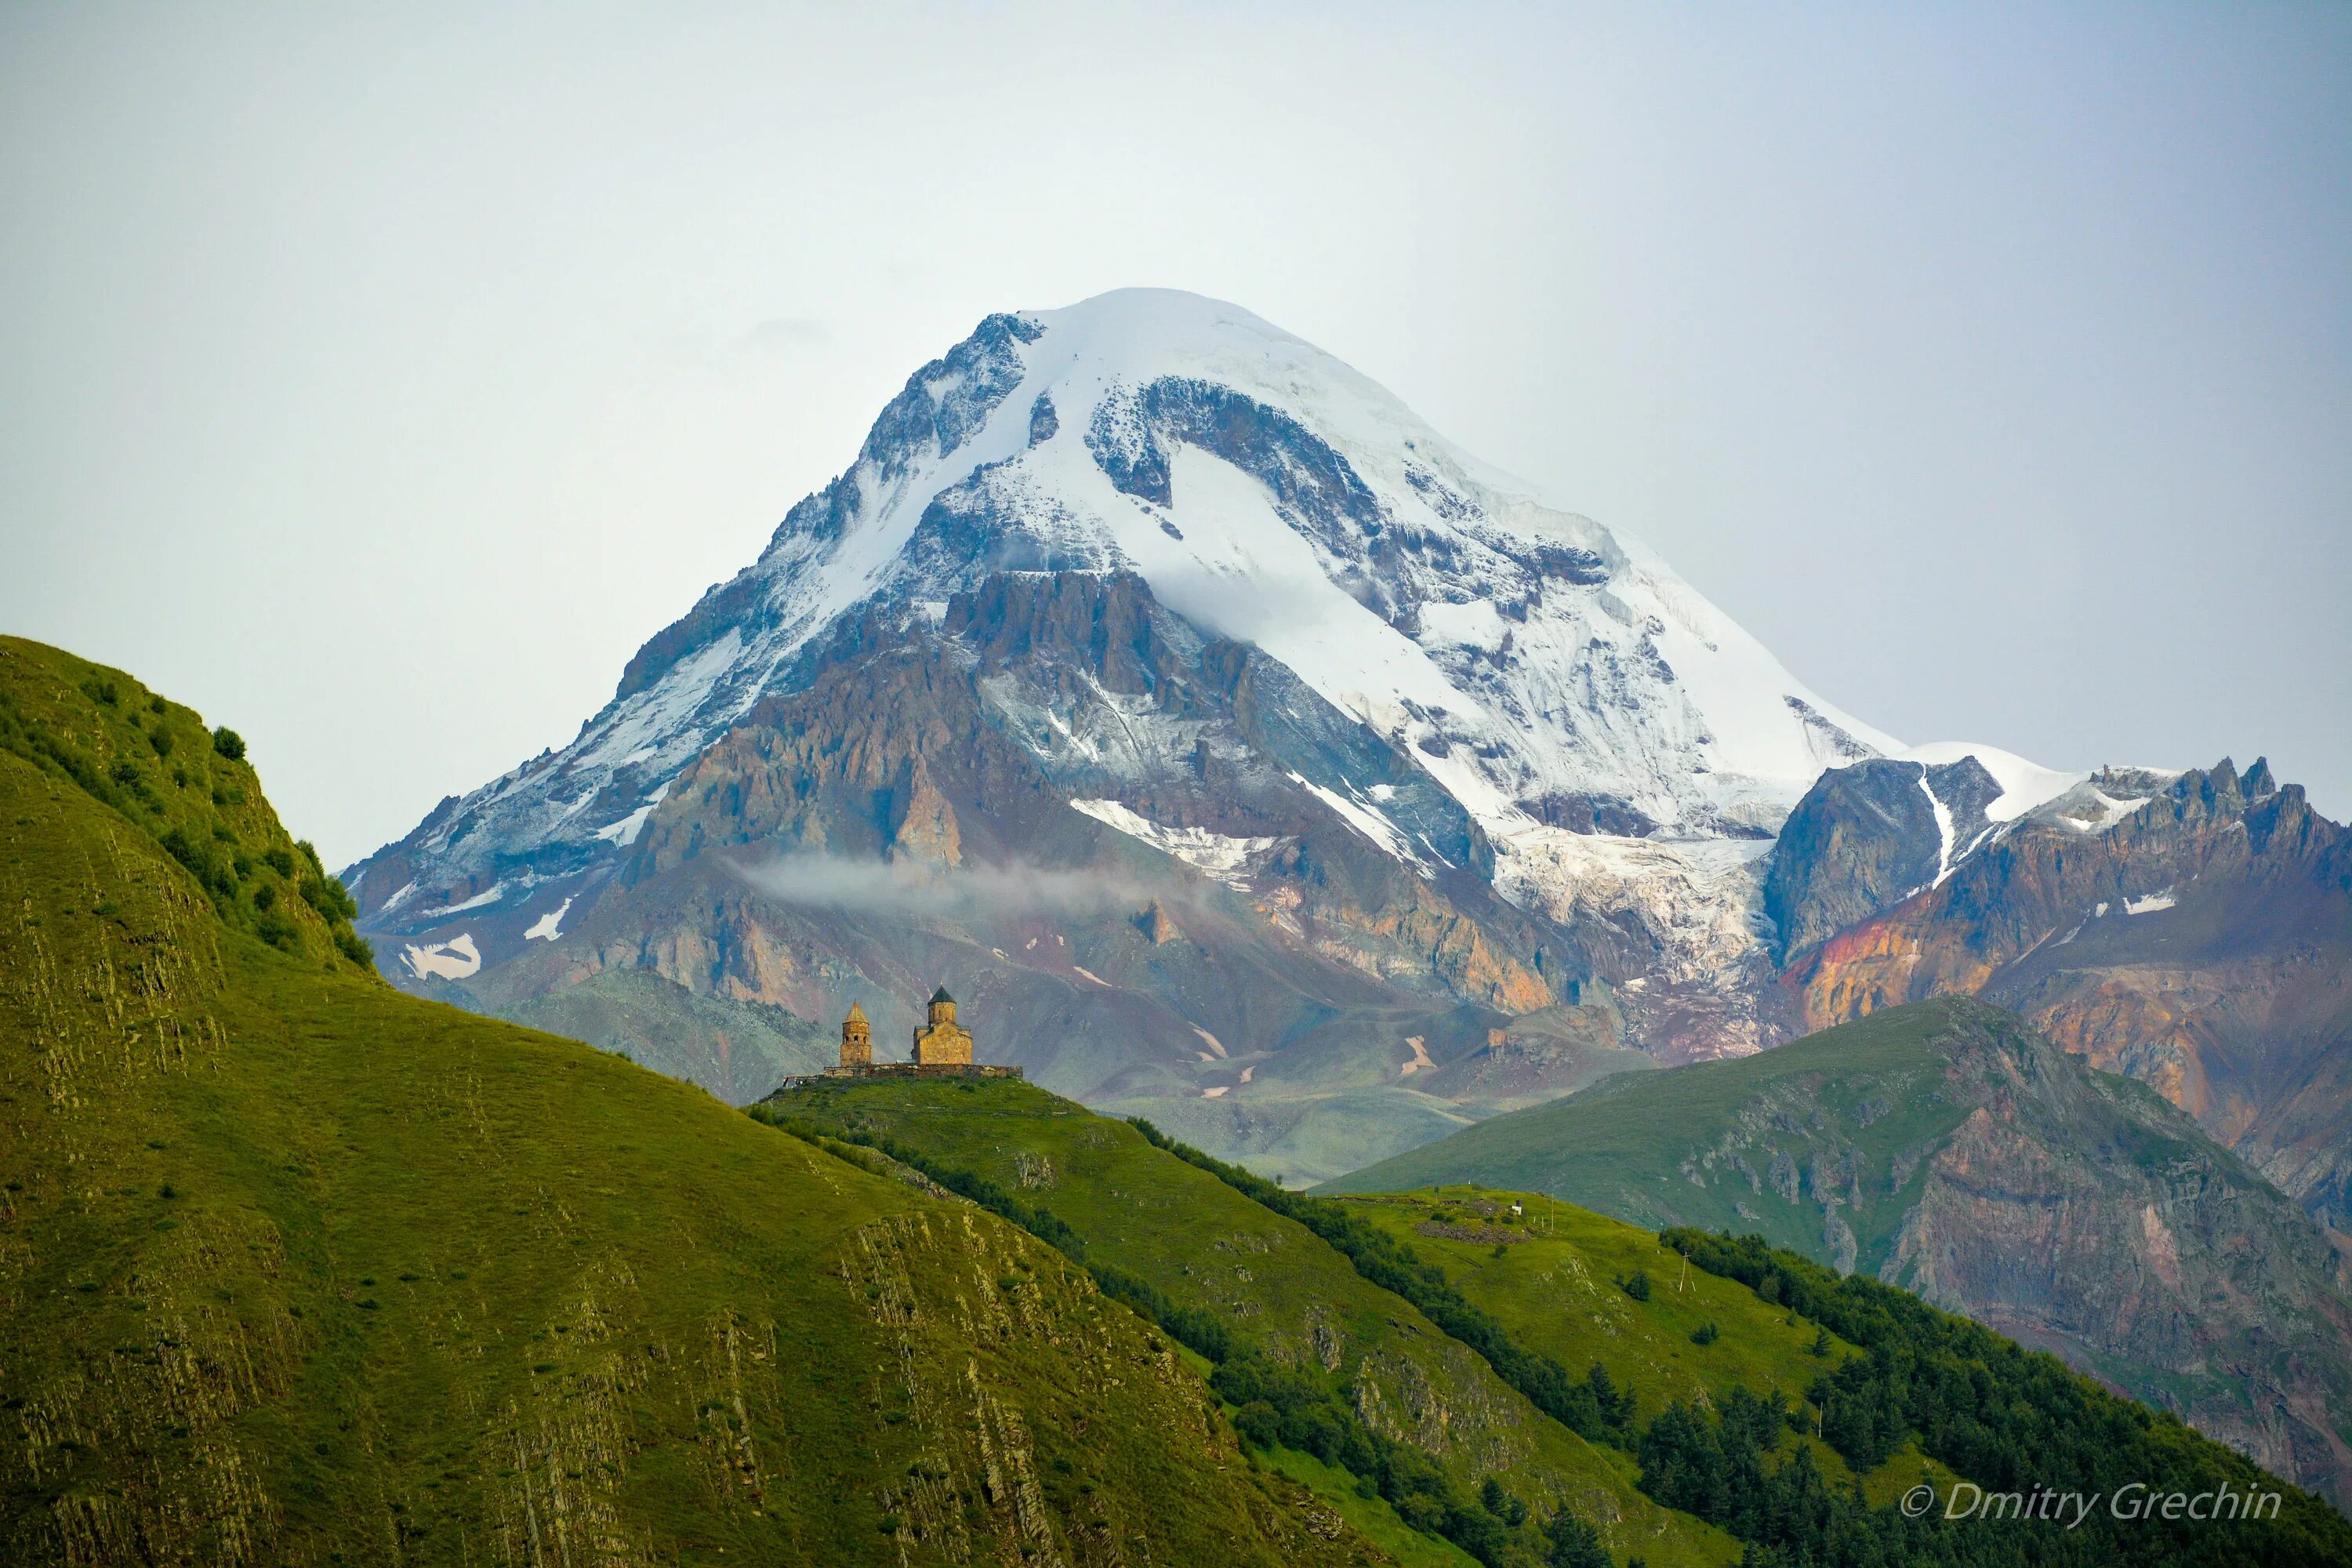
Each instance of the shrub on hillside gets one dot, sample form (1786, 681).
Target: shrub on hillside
(1573, 1543)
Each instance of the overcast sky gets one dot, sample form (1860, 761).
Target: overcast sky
(378, 380)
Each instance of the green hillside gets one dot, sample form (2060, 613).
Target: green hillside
(1550, 1273)
(187, 787)
(1746, 1386)
(1946, 1147)
(1869, 1087)
(1279, 1290)
(296, 1270)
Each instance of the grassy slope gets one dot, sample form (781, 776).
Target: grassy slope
(1615, 1146)
(1553, 1286)
(1149, 1213)
(296, 1269)
(155, 764)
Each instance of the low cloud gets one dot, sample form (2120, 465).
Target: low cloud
(908, 890)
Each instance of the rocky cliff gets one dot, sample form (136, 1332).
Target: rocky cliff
(2194, 931)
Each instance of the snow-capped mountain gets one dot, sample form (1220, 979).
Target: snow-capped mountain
(1547, 672)
(1247, 755)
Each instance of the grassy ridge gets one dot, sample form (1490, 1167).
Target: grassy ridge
(189, 788)
(1756, 1390)
(1620, 1145)
(1208, 1248)
(295, 1270)
(1551, 1277)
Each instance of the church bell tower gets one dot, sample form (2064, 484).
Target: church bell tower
(856, 1039)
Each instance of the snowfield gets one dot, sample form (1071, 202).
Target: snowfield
(1215, 855)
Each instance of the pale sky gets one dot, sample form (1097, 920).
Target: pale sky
(377, 380)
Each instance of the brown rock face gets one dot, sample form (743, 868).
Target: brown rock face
(2077, 1216)
(2203, 945)
(864, 763)
(932, 804)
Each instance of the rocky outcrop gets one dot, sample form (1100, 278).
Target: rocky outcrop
(2198, 937)
(2078, 1213)
(1865, 838)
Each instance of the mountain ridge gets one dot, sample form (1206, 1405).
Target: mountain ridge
(1944, 1147)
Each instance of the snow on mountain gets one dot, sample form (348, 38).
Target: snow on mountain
(1218, 854)
(2024, 786)
(1549, 673)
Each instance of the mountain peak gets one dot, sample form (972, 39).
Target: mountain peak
(1540, 668)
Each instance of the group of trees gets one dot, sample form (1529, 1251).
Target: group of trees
(1302, 1409)
(2010, 1420)
(1719, 1470)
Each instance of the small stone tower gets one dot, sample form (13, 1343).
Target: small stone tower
(856, 1039)
(944, 1042)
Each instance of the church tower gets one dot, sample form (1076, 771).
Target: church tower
(944, 1042)
(856, 1039)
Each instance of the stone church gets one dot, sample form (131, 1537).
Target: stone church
(942, 1042)
(943, 1049)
